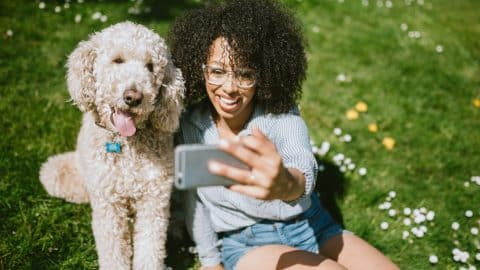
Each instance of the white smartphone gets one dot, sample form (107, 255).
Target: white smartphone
(191, 169)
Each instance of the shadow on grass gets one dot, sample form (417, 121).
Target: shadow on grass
(178, 240)
(331, 185)
(178, 255)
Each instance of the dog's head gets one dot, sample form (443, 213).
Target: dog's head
(125, 76)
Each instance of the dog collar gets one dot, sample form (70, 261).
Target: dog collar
(112, 146)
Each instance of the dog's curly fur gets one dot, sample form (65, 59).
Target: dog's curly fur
(136, 182)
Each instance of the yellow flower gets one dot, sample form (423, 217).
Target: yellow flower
(388, 142)
(351, 114)
(476, 102)
(372, 127)
(361, 106)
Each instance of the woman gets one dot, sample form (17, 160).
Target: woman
(244, 63)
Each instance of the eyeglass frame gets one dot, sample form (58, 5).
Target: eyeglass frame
(234, 77)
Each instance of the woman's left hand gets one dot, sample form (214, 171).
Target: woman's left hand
(267, 179)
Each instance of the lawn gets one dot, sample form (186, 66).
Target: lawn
(392, 101)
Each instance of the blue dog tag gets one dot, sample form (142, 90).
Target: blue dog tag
(113, 147)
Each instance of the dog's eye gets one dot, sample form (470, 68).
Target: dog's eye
(149, 67)
(118, 60)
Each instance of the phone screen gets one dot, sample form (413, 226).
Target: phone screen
(191, 169)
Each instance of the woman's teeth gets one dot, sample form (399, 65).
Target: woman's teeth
(228, 101)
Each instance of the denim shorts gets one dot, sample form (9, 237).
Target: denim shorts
(308, 232)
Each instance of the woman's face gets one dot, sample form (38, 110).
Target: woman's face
(231, 93)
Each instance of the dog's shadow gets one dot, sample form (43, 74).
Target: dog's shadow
(331, 185)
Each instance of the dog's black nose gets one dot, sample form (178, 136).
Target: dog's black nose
(132, 97)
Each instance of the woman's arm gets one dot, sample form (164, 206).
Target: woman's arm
(283, 171)
(201, 231)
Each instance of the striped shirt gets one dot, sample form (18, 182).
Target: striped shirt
(211, 210)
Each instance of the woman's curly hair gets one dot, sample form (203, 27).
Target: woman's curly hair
(263, 35)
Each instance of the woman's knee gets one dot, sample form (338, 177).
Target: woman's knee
(355, 253)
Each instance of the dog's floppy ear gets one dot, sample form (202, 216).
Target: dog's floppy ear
(80, 77)
(170, 103)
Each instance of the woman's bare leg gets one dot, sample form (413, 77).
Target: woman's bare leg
(284, 257)
(355, 253)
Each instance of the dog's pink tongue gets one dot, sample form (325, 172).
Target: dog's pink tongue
(124, 123)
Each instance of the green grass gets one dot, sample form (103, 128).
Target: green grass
(419, 97)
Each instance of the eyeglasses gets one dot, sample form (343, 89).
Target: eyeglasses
(244, 78)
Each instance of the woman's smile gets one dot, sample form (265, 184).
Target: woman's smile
(228, 104)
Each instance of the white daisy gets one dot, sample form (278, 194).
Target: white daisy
(430, 215)
(339, 157)
(384, 225)
(321, 167)
(417, 232)
(347, 138)
(78, 18)
(419, 219)
(324, 148)
(341, 77)
(96, 15)
(439, 48)
(337, 131)
(455, 226)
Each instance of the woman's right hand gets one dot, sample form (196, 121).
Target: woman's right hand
(216, 267)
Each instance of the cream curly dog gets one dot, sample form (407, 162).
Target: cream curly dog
(130, 93)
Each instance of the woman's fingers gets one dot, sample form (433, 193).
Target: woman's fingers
(241, 176)
(257, 151)
(258, 142)
(244, 154)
